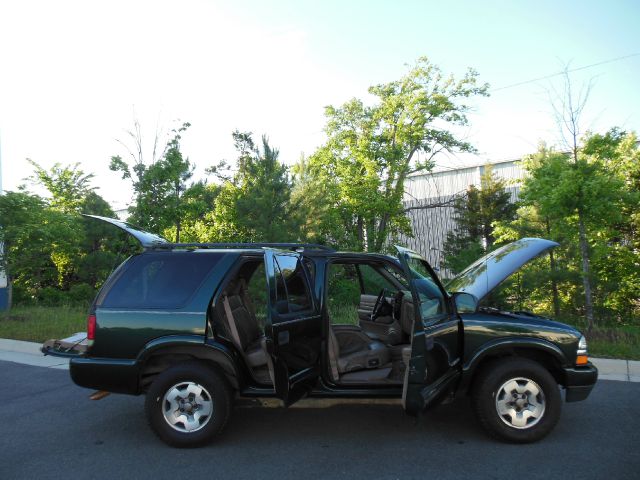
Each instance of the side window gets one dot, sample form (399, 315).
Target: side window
(373, 281)
(398, 275)
(281, 292)
(160, 280)
(295, 283)
(311, 270)
(257, 287)
(343, 293)
(432, 300)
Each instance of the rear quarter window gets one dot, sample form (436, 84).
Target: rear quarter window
(160, 280)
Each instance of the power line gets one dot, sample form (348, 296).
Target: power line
(611, 60)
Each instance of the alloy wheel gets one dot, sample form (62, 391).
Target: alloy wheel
(187, 407)
(520, 403)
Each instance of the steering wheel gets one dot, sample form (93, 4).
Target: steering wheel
(380, 301)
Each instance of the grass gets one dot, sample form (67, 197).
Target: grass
(620, 342)
(343, 314)
(37, 323)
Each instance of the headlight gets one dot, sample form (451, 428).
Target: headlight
(581, 354)
(582, 346)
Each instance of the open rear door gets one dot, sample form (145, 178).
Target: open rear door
(434, 366)
(294, 326)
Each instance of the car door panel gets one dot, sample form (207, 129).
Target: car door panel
(435, 345)
(293, 329)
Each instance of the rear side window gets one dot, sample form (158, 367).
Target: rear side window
(160, 280)
(291, 276)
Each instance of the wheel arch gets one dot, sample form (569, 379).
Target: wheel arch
(165, 352)
(543, 352)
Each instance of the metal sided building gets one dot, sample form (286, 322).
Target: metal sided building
(428, 199)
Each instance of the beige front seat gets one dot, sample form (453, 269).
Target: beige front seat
(355, 357)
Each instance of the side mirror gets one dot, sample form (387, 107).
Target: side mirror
(465, 302)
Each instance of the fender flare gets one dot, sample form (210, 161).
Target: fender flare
(197, 346)
(505, 346)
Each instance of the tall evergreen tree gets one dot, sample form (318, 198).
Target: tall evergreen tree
(254, 205)
(475, 214)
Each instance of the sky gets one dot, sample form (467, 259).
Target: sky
(75, 74)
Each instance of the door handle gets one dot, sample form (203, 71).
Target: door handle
(283, 337)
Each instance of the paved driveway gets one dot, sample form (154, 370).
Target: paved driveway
(50, 429)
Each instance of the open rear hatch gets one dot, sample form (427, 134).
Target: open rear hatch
(73, 346)
(146, 239)
(78, 343)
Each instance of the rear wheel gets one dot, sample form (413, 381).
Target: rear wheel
(516, 400)
(188, 405)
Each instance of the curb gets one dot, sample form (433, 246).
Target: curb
(28, 353)
(20, 346)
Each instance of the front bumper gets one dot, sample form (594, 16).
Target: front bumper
(579, 381)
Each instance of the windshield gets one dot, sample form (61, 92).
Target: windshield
(431, 297)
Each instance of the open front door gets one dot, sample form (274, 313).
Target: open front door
(294, 326)
(434, 366)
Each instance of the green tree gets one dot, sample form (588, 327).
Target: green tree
(616, 238)
(51, 253)
(102, 246)
(547, 286)
(196, 204)
(579, 191)
(475, 214)
(254, 205)
(67, 185)
(159, 186)
(568, 106)
(319, 214)
(371, 149)
(39, 244)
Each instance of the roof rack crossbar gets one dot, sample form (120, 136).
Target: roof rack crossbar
(289, 246)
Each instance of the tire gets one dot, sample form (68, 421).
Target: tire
(188, 405)
(516, 400)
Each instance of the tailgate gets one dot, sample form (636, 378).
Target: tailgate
(73, 346)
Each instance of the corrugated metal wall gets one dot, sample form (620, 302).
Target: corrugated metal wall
(428, 197)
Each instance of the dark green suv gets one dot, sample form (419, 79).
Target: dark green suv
(194, 325)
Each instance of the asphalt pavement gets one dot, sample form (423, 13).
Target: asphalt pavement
(50, 429)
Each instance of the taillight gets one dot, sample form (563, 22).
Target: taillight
(91, 328)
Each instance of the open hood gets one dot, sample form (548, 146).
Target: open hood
(146, 239)
(481, 277)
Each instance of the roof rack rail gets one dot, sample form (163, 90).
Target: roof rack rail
(289, 246)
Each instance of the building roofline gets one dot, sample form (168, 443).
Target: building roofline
(445, 169)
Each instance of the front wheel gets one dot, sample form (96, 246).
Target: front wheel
(188, 404)
(516, 400)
